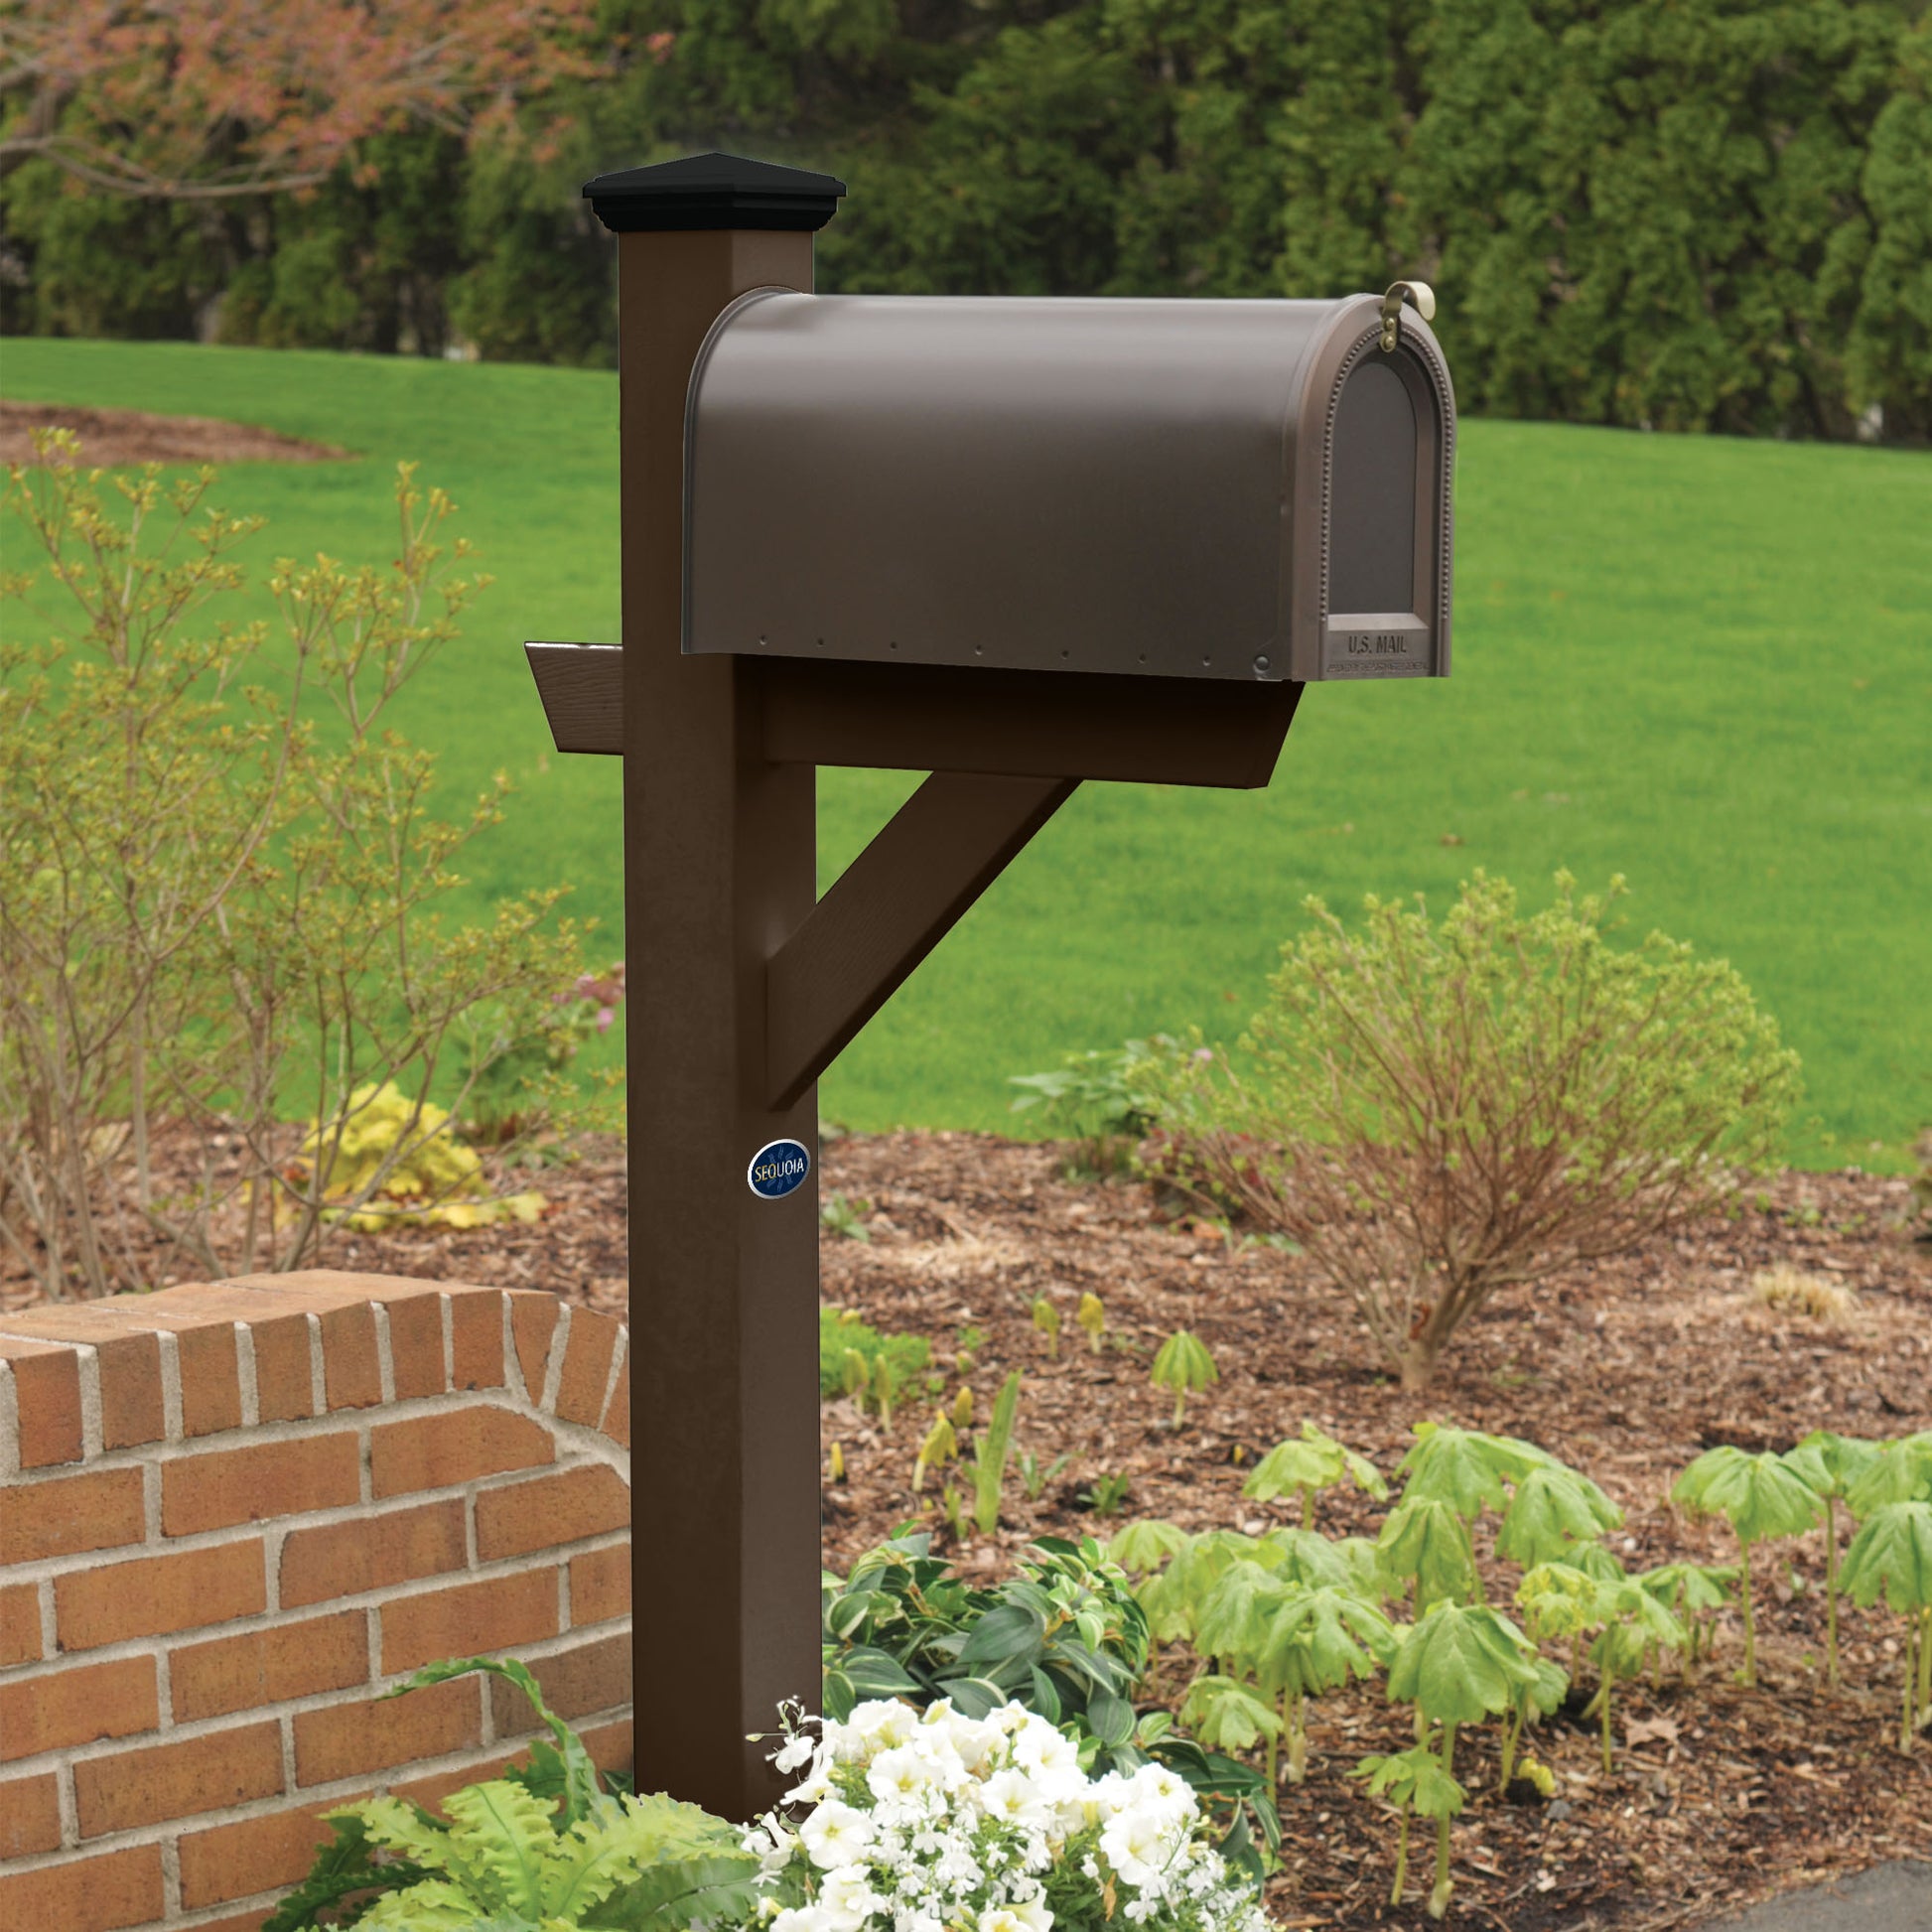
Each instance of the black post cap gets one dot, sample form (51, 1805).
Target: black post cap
(713, 191)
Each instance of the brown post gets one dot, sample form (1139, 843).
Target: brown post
(720, 867)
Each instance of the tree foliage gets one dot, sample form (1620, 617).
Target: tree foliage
(1640, 213)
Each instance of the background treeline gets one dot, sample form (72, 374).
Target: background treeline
(1686, 213)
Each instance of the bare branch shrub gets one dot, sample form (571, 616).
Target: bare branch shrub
(219, 887)
(1437, 1111)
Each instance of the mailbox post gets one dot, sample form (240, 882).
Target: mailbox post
(1010, 544)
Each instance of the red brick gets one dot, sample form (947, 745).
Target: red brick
(351, 1372)
(29, 1816)
(533, 1320)
(123, 1789)
(20, 1624)
(416, 1346)
(85, 1894)
(221, 1487)
(47, 1385)
(240, 1922)
(592, 1341)
(468, 1619)
(431, 1790)
(477, 1341)
(617, 1415)
(345, 1740)
(613, 1747)
(254, 1855)
(593, 1676)
(60, 1709)
(457, 1446)
(201, 1319)
(65, 1515)
(130, 1366)
(153, 1596)
(291, 1660)
(548, 1510)
(600, 1586)
(371, 1552)
(284, 1368)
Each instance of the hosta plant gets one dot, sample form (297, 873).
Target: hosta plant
(1761, 1500)
(1065, 1637)
(543, 1849)
(934, 1818)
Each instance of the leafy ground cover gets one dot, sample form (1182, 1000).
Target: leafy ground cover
(1695, 661)
(1716, 1793)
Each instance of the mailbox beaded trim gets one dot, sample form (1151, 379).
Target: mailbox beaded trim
(1437, 372)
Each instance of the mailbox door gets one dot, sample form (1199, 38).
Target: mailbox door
(1161, 489)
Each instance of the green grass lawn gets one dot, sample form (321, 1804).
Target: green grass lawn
(1704, 663)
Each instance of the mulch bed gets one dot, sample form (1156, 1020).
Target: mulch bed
(118, 438)
(1719, 1795)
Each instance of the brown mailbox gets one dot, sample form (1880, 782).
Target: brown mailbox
(1171, 489)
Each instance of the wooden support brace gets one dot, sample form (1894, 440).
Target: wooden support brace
(893, 903)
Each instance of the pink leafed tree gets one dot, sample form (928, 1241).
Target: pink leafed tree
(192, 99)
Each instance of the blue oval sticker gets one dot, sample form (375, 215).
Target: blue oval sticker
(777, 1169)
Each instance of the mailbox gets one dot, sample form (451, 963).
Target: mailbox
(1238, 489)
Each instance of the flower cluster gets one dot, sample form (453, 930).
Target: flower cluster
(936, 1822)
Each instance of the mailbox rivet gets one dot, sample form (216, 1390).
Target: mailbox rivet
(1261, 662)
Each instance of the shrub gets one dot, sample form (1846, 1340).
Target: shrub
(1105, 1101)
(220, 887)
(1435, 1112)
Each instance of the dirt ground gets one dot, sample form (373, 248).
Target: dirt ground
(115, 437)
(1720, 1795)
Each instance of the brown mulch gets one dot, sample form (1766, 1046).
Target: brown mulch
(115, 438)
(1719, 1795)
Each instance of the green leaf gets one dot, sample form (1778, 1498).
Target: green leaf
(342, 1868)
(1229, 1626)
(1314, 1462)
(1183, 1363)
(1465, 1468)
(1459, 1663)
(1689, 1587)
(499, 1839)
(1552, 1510)
(1828, 1465)
(1892, 1555)
(1426, 1540)
(1757, 1495)
(1226, 1716)
(1558, 1600)
(1414, 1779)
(1903, 1474)
(1317, 1640)
(581, 1783)
(1143, 1547)
(1110, 1718)
(1013, 1632)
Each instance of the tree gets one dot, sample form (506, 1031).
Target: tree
(247, 97)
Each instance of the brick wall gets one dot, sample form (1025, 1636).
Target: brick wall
(230, 1515)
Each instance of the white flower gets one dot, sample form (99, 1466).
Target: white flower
(882, 1724)
(848, 1898)
(1138, 1843)
(1015, 1799)
(903, 1776)
(1032, 1913)
(1050, 1757)
(798, 1749)
(803, 1918)
(834, 1835)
